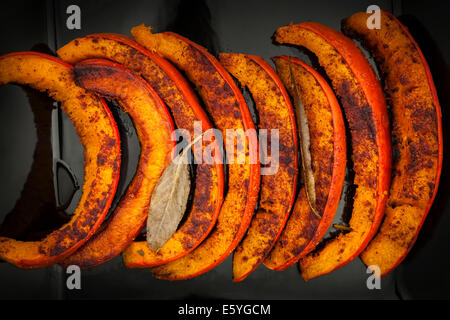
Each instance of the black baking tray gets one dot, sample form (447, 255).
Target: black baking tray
(36, 137)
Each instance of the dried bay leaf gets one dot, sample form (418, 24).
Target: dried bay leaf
(169, 200)
(305, 144)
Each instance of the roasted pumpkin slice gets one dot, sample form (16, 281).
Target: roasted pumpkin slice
(278, 184)
(228, 110)
(365, 108)
(417, 132)
(304, 229)
(154, 127)
(179, 97)
(99, 136)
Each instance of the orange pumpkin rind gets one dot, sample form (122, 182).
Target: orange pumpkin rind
(228, 110)
(304, 230)
(417, 131)
(277, 193)
(154, 127)
(174, 90)
(99, 136)
(362, 99)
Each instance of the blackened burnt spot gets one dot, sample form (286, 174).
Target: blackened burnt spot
(360, 120)
(291, 171)
(110, 142)
(101, 202)
(102, 159)
(116, 165)
(431, 191)
(346, 95)
(65, 239)
(165, 87)
(202, 60)
(195, 226)
(204, 186)
(404, 80)
(367, 121)
(419, 152)
(84, 73)
(285, 160)
(188, 243)
(133, 53)
(297, 250)
(424, 119)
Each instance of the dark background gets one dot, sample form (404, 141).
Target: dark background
(238, 26)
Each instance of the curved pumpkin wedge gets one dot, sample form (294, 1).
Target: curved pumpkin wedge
(99, 136)
(304, 230)
(226, 106)
(417, 130)
(154, 128)
(277, 193)
(365, 108)
(179, 97)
